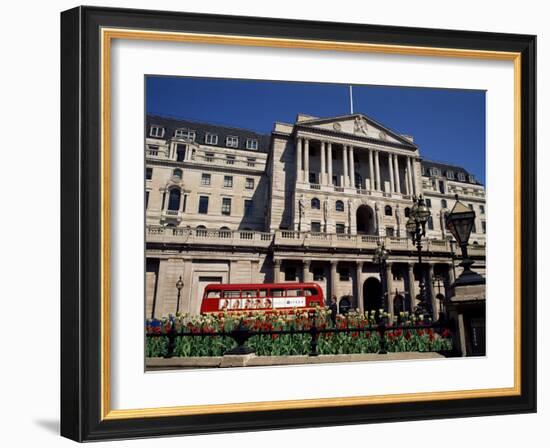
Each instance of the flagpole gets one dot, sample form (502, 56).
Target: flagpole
(351, 99)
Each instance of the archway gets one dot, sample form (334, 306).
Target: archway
(365, 220)
(372, 294)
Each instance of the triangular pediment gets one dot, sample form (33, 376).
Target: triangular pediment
(357, 125)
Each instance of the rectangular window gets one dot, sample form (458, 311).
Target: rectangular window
(482, 209)
(153, 150)
(184, 203)
(318, 274)
(251, 144)
(232, 142)
(209, 157)
(429, 203)
(344, 275)
(335, 180)
(461, 177)
(249, 183)
(389, 231)
(186, 135)
(430, 223)
(315, 226)
(471, 206)
(312, 178)
(483, 226)
(230, 160)
(148, 173)
(180, 153)
(206, 179)
(450, 175)
(203, 205)
(251, 162)
(211, 139)
(146, 200)
(290, 274)
(247, 207)
(472, 179)
(340, 228)
(442, 187)
(228, 181)
(156, 131)
(226, 206)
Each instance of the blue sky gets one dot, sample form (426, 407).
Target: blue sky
(448, 125)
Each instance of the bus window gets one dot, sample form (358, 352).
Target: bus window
(294, 293)
(263, 293)
(249, 293)
(214, 294)
(277, 293)
(232, 294)
(310, 292)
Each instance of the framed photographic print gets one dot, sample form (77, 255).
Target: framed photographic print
(276, 224)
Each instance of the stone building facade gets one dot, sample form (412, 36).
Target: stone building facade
(310, 202)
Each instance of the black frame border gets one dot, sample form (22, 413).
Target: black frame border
(81, 223)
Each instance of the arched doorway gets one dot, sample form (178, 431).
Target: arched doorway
(372, 294)
(365, 220)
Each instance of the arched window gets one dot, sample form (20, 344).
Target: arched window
(225, 232)
(407, 212)
(177, 173)
(339, 206)
(174, 199)
(358, 180)
(315, 204)
(443, 203)
(387, 210)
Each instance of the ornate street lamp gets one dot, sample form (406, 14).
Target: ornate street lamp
(379, 257)
(179, 285)
(460, 222)
(416, 228)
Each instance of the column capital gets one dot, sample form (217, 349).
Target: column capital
(307, 262)
(277, 262)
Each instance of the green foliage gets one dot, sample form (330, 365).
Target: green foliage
(401, 339)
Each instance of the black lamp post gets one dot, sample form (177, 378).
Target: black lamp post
(179, 285)
(416, 228)
(460, 222)
(379, 257)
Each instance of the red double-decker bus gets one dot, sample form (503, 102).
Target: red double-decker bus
(263, 296)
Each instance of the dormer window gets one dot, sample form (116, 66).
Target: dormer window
(185, 134)
(434, 171)
(471, 179)
(423, 170)
(232, 142)
(211, 139)
(461, 177)
(156, 131)
(252, 143)
(450, 175)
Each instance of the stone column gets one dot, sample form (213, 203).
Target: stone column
(389, 287)
(333, 272)
(396, 174)
(306, 160)
(409, 175)
(359, 283)
(345, 183)
(305, 274)
(451, 277)
(390, 169)
(276, 271)
(322, 175)
(430, 286)
(413, 176)
(351, 168)
(412, 292)
(299, 173)
(377, 169)
(371, 171)
(329, 157)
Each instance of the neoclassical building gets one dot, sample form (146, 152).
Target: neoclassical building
(310, 202)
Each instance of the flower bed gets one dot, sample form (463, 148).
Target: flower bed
(397, 337)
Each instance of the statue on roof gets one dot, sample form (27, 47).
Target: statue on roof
(360, 125)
